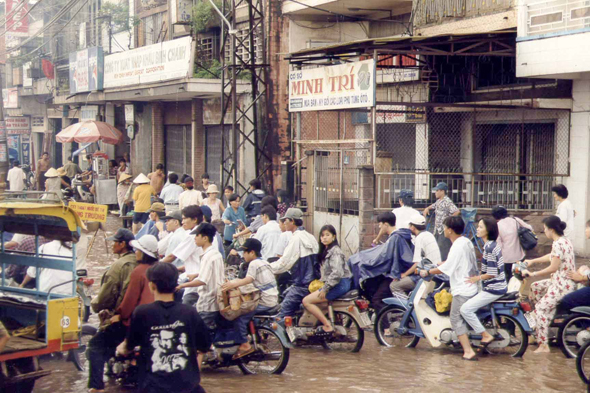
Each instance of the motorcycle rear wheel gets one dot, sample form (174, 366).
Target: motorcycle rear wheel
(583, 363)
(355, 336)
(256, 364)
(75, 355)
(387, 317)
(567, 334)
(519, 339)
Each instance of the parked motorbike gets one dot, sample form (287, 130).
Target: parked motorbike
(408, 319)
(349, 316)
(29, 177)
(81, 191)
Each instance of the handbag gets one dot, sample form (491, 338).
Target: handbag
(528, 239)
(237, 302)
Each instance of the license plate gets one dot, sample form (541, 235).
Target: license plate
(365, 319)
(291, 333)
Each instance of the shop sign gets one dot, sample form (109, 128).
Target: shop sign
(3, 153)
(2, 130)
(86, 70)
(17, 22)
(10, 97)
(27, 80)
(38, 123)
(129, 114)
(90, 211)
(89, 112)
(350, 85)
(159, 62)
(18, 125)
(25, 144)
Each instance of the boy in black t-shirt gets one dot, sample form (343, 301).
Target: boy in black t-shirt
(172, 337)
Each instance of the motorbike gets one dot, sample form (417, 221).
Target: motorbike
(81, 191)
(349, 316)
(271, 355)
(405, 320)
(570, 328)
(29, 177)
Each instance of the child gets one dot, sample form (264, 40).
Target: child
(172, 337)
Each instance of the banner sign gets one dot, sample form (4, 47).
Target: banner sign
(18, 125)
(25, 145)
(86, 70)
(17, 22)
(10, 97)
(38, 123)
(90, 211)
(159, 62)
(350, 85)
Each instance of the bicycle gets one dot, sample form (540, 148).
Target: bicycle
(470, 232)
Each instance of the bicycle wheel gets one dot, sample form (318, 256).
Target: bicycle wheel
(583, 363)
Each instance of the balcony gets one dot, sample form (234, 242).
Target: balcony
(554, 39)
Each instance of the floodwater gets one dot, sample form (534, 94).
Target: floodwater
(373, 369)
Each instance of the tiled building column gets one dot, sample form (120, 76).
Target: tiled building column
(366, 206)
(158, 135)
(199, 151)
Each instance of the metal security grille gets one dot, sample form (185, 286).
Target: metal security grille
(178, 143)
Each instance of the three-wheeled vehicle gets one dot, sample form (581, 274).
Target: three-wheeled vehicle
(44, 319)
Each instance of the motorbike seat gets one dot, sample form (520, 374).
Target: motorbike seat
(349, 296)
(581, 310)
(508, 297)
(269, 313)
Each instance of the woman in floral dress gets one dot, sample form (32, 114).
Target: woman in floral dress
(545, 294)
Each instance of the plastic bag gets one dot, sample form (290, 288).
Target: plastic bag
(443, 301)
(315, 285)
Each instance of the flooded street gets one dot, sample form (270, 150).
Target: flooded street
(374, 369)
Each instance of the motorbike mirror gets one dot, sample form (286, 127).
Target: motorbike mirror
(81, 272)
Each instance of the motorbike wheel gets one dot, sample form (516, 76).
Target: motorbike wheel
(389, 316)
(583, 363)
(567, 335)
(75, 355)
(355, 336)
(519, 339)
(275, 359)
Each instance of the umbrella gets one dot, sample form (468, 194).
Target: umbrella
(90, 131)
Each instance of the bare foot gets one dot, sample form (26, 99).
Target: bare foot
(543, 348)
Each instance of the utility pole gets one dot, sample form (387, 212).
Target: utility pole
(3, 142)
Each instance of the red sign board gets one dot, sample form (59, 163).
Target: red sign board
(17, 20)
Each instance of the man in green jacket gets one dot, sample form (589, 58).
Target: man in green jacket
(112, 291)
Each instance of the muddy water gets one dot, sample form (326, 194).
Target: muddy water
(374, 369)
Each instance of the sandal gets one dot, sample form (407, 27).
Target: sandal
(239, 355)
(320, 332)
(485, 345)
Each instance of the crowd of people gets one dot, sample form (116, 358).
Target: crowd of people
(172, 264)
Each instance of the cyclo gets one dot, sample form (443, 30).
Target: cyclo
(39, 323)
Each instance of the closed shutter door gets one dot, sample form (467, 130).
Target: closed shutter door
(213, 151)
(178, 143)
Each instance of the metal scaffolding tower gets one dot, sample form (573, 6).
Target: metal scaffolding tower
(244, 58)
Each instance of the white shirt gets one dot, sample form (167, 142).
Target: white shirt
(460, 265)
(265, 281)
(425, 246)
(565, 212)
(174, 241)
(16, 177)
(188, 252)
(403, 216)
(269, 235)
(213, 275)
(49, 278)
(171, 193)
(282, 242)
(190, 197)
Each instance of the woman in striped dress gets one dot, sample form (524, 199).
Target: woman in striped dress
(492, 278)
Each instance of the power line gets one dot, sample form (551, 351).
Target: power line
(16, 21)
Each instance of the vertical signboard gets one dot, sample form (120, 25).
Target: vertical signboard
(17, 19)
(10, 97)
(25, 145)
(86, 70)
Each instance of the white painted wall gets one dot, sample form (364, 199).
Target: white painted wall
(303, 33)
(563, 57)
(350, 236)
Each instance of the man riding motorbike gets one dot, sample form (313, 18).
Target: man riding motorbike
(300, 258)
(112, 291)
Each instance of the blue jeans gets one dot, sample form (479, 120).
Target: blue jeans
(340, 289)
(578, 298)
(241, 323)
(292, 301)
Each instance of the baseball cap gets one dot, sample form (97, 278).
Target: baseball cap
(441, 186)
(418, 219)
(406, 193)
(252, 245)
(293, 214)
(175, 215)
(122, 235)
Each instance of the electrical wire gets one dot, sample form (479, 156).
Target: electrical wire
(16, 21)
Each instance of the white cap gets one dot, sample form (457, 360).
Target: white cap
(418, 219)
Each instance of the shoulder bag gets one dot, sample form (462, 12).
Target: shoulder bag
(528, 239)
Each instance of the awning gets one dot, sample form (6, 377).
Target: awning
(495, 43)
